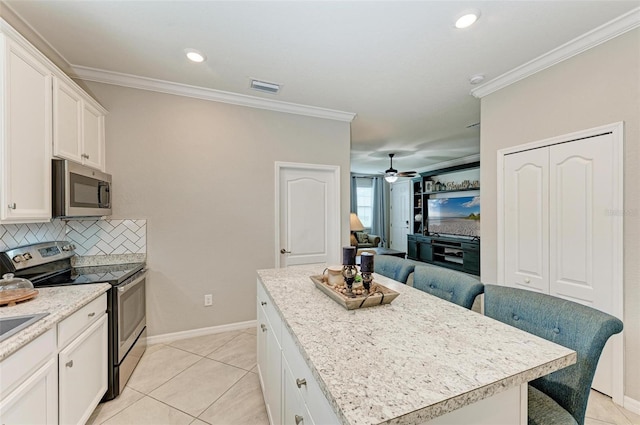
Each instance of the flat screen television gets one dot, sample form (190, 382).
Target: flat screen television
(454, 216)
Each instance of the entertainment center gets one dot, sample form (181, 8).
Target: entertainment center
(446, 226)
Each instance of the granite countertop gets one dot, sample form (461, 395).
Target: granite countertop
(405, 362)
(60, 302)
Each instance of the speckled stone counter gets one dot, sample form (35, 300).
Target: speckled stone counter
(60, 302)
(107, 260)
(405, 362)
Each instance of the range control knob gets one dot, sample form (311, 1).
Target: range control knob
(69, 247)
(18, 259)
(27, 256)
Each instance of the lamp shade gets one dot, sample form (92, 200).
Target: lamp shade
(355, 223)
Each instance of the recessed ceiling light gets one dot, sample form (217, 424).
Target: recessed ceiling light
(194, 55)
(467, 19)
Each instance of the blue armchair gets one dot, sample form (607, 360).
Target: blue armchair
(395, 268)
(450, 285)
(560, 397)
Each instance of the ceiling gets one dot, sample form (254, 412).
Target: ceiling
(402, 67)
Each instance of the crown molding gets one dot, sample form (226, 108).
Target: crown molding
(168, 87)
(599, 35)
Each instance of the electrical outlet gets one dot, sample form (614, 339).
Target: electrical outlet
(208, 300)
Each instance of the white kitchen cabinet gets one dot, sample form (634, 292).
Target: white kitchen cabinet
(82, 362)
(78, 125)
(269, 357)
(25, 140)
(291, 393)
(30, 383)
(82, 374)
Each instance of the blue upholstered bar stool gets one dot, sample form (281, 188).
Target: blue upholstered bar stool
(395, 268)
(560, 397)
(450, 285)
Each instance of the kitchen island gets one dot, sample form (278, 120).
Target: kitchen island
(417, 360)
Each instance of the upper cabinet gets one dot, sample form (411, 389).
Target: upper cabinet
(78, 126)
(43, 114)
(25, 137)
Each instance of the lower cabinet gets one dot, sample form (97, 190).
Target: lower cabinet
(82, 374)
(29, 383)
(60, 377)
(291, 393)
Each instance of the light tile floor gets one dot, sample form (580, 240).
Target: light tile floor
(213, 380)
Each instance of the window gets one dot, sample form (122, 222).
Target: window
(364, 193)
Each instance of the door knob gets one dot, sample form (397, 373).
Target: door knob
(299, 419)
(284, 251)
(301, 382)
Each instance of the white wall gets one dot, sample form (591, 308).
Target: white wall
(203, 176)
(600, 86)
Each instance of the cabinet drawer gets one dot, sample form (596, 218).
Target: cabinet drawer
(471, 246)
(273, 317)
(317, 404)
(73, 325)
(17, 367)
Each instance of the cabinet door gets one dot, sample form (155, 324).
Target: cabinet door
(526, 220)
(35, 401)
(412, 248)
(25, 143)
(294, 410)
(269, 367)
(93, 137)
(83, 374)
(67, 124)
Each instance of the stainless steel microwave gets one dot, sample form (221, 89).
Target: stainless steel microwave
(79, 191)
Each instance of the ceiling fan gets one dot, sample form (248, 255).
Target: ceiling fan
(392, 174)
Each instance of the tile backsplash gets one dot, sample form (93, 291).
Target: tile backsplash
(91, 237)
(108, 237)
(13, 235)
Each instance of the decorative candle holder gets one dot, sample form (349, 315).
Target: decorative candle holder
(349, 272)
(367, 278)
(366, 267)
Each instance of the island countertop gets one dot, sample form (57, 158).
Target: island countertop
(405, 362)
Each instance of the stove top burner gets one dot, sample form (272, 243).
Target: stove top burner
(112, 274)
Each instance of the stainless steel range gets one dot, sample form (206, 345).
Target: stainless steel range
(49, 264)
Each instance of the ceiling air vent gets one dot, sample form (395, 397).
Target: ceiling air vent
(272, 88)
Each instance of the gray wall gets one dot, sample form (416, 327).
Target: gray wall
(203, 175)
(597, 87)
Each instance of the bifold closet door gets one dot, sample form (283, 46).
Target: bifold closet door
(559, 218)
(526, 220)
(580, 221)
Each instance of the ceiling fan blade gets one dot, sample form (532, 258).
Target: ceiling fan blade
(406, 174)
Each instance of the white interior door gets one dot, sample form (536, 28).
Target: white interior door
(308, 199)
(400, 214)
(581, 232)
(526, 220)
(560, 235)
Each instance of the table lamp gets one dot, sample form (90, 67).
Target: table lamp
(356, 226)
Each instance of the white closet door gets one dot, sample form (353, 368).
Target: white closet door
(581, 242)
(526, 220)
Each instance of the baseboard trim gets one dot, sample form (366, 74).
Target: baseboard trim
(174, 336)
(632, 405)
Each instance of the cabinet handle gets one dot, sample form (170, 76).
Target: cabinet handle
(527, 280)
(263, 303)
(12, 206)
(69, 363)
(92, 314)
(301, 382)
(299, 419)
(263, 327)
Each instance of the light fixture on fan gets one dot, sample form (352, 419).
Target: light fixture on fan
(391, 175)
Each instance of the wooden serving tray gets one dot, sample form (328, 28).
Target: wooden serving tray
(11, 297)
(383, 295)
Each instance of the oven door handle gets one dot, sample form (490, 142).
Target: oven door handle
(128, 285)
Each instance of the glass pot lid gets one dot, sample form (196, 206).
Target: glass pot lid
(9, 282)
